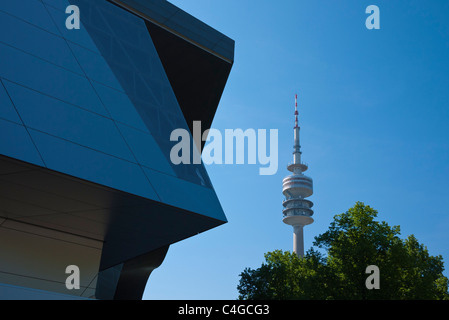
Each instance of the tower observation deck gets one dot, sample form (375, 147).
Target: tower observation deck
(296, 188)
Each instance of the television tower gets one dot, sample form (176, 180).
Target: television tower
(296, 188)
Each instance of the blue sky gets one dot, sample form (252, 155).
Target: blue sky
(374, 108)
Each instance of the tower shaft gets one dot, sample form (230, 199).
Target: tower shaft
(298, 240)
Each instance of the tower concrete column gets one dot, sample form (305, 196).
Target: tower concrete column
(298, 240)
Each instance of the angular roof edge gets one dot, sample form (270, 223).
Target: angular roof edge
(182, 24)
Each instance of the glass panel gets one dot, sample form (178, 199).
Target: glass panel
(38, 42)
(59, 4)
(116, 51)
(91, 165)
(119, 106)
(95, 67)
(139, 70)
(68, 122)
(186, 195)
(78, 36)
(7, 110)
(15, 142)
(146, 149)
(47, 78)
(32, 11)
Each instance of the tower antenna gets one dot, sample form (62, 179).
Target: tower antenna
(296, 111)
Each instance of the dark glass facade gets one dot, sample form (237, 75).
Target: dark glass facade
(85, 122)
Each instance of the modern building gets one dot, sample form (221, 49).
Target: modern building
(296, 188)
(85, 120)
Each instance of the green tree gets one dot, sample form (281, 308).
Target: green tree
(354, 240)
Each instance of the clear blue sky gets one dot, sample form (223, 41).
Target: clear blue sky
(374, 128)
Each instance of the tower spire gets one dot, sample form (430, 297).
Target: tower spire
(296, 187)
(296, 146)
(296, 111)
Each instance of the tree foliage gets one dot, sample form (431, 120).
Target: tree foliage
(354, 240)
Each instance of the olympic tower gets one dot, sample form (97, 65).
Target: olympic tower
(296, 188)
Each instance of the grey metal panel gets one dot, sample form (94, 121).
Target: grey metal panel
(42, 201)
(68, 223)
(10, 292)
(29, 259)
(17, 208)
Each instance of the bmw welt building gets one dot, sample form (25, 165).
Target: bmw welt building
(87, 189)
